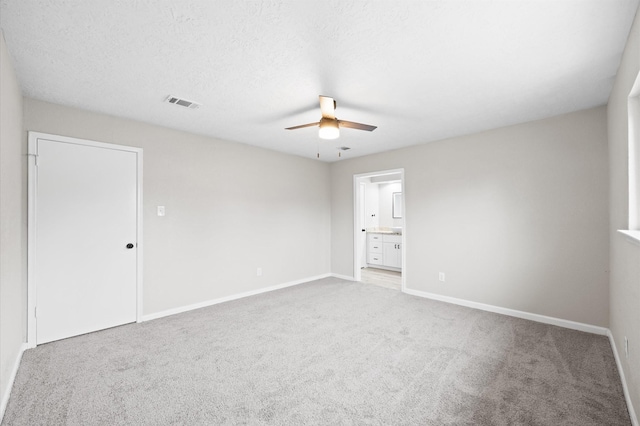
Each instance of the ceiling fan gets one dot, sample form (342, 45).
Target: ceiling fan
(329, 124)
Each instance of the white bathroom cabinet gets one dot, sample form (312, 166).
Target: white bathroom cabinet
(384, 251)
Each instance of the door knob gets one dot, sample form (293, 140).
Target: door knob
(129, 246)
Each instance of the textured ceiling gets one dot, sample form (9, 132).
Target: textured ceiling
(419, 70)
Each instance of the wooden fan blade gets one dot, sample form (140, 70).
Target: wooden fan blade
(301, 126)
(359, 126)
(328, 107)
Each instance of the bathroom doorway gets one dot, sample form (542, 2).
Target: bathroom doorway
(379, 228)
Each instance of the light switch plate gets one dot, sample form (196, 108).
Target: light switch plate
(160, 210)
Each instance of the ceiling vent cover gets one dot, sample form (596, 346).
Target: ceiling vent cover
(182, 102)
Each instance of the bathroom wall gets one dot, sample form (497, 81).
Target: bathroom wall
(372, 205)
(385, 191)
(379, 204)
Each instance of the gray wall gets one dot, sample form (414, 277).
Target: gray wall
(230, 208)
(12, 213)
(516, 217)
(624, 317)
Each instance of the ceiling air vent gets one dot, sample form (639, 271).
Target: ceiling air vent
(182, 102)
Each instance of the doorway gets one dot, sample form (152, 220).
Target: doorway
(380, 229)
(85, 240)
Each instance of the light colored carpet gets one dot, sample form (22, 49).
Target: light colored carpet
(328, 352)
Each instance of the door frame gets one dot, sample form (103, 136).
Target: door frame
(361, 204)
(32, 222)
(357, 226)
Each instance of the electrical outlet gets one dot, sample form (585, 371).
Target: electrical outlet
(626, 346)
(441, 277)
(259, 272)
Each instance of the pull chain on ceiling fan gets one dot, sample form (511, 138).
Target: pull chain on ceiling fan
(329, 125)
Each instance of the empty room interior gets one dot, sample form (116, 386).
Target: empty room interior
(337, 212)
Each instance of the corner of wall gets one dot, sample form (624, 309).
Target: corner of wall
(624, 257)
(12, 198)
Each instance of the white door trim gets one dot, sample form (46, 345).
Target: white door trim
(362, 258)
(32, 222)
(357, 225)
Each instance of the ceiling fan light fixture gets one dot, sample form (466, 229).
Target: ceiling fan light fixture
(329, 129)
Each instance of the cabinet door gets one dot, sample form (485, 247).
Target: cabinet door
(391, 255)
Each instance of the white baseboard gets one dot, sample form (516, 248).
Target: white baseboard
(229, 298)
(625, 389)
(343, 277)
(12, 378)
(512, 312)
(386, 268)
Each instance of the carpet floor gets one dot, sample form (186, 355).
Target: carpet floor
(328, 352)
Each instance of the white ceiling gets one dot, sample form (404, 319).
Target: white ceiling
(419, 70)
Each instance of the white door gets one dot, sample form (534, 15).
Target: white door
(85, 238)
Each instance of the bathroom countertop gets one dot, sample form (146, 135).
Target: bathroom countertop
(384, 232)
